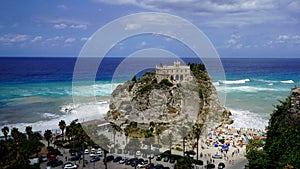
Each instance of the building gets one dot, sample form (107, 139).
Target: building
(175, 74)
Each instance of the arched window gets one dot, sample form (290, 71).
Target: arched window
(177, 77)
(181, 77)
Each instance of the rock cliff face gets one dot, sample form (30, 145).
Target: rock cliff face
(144, 101)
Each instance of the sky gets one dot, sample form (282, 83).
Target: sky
(236, 28)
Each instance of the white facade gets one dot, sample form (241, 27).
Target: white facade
(175, 73)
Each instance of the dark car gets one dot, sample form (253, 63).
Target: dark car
(75, 158)
(159, 166)
(117, 159)
(172, 159)
(43, 158)
(109, 158)
(130, 161)
(209, 166)
(55, 163)
(166, 159)
(158, 158)
(94, 159)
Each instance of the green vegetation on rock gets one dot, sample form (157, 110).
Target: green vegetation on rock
(282, 144)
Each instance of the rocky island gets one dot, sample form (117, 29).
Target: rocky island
(166, 100)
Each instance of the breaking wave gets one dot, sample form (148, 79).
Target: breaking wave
(228, 82)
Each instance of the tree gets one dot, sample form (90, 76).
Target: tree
(184, 163)
(115, 129)
(183, 133)
(48, 136)
(18, 136)
(158, 131)
(5, 131)
(62, 126)
(28, 131)
(196, 131)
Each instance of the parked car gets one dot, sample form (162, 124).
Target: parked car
(158, 158)
(166, 159)
(93, 150)
(75, 158)
(122, 161)
(142, 164)
(55, 163)
(138, 153)
(159, 166)
(69, 165)
(117, 159)
(109, 158)
(43, 158)
(99, 152)
(172, 159)
(209, 166)
(86, 151)
(217, 156)
(94, 159)
(92, 155)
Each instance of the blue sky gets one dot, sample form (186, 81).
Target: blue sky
(237, 28)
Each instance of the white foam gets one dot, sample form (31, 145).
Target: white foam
(82, 112)
(228, 82)
(247, 119)
(216, 83)
(248, 89)
(287, 81)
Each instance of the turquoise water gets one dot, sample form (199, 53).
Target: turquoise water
(38, 91)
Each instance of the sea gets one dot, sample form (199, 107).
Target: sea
(38, 91)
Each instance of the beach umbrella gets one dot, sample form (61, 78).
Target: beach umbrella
(225, 147)
(216, 145)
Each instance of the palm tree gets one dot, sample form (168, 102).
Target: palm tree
(62, 126)
(48, 136)
(5, 131)
(158, 131)
(28, 130)
(197, 130)
(183, 134)
(18, 136)
(126, 132)
(115, 129)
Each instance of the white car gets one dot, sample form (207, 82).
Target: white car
(86, 151)
(138, 153)
(92, 155)
(99, 152)
(143, 164)
(93, 150)
(70, 166)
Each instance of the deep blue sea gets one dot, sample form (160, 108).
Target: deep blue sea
(38, 91)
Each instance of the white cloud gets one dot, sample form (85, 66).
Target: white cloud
(220, 13)
(70, 40)
(59, 20)
(60, 26)
(56, 38)
(11, 38)
(36, 39)
(79, 26)
(118, 2)
(234, 42)
(288, 39)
